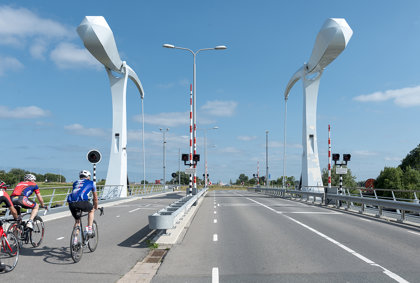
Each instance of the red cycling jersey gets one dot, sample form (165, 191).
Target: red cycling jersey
(25, 189)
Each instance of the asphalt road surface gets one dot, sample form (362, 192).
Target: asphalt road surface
(238, 236)
(122, 232)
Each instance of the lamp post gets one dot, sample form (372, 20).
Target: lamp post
(219, 47)
(266, 159)
(164, 131)
(331, 40)
(205, 154)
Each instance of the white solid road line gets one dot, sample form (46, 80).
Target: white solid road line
(215, 275)
(134, 210)
(215, 221)
(415, 233)
(367, 220)
(58, 239)
(387, 272)
(214, 237)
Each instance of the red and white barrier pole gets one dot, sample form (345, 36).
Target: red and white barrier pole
(329, 157)
(191, 139)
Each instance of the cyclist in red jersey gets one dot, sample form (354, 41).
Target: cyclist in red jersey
(4, 197)
(21, 193)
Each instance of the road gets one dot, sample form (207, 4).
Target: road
(239, 236)
(122, 230)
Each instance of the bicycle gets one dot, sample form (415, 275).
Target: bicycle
(9, 250)
(80, 240)
(25, 234)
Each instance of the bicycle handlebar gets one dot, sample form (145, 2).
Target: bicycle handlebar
(102, 211)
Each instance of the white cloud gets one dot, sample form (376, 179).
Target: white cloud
(38, 49)
(388, 158)
(182, 82)
(220, 108)
(170, 119)
(404, 97)
(68, 55)
(27, 112)
(364, 153)
(21, 23)
(246, 138)
(80, 130)
(9, 64)
(229, 149)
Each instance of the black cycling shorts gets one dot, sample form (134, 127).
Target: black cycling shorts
(83, 205)
(24, 202)
(4, 197)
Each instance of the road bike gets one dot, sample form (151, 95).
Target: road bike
(9, 250)
(79, 240)
(26, 235)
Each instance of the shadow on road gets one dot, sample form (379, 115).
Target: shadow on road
(59, 256)
(138, 239)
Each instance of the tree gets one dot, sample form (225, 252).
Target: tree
(349, 181)
(243, 179)
(411, 160)
(390, 178)
(185, 179)
(411, 179)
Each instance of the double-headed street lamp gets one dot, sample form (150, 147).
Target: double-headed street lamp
(219, 47)
(205, 154)
(164, 154)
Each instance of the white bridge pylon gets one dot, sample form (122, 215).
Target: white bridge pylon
(98, 38)
(331, 40)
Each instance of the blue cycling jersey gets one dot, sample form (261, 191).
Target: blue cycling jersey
(81, 190)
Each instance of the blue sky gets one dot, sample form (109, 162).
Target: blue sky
(56, 103)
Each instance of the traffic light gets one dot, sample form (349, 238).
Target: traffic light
(336, 157)
(185, 157)
(174, 175)
(196, 157)
(346, 157)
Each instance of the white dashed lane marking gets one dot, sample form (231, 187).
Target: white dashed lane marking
(215, 221)
(215, 238)
(58, 239)
(215, 275)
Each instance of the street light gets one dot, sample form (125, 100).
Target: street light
(219, 47)
(205, 154)
(164, 154)
(331, 40)
(266, 159)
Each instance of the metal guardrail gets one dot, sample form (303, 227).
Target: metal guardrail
(56, 197)
(402, 207)
(168, 216)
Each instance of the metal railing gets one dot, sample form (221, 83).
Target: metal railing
(56, 197)
(167, 217)
(361, 200)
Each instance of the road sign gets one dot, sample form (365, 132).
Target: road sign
(341, 170)
(190, 171)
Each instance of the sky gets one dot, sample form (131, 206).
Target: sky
(56, 102)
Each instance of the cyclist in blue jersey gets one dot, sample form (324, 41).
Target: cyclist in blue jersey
(79, 199)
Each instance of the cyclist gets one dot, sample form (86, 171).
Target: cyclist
(21, 194)
(4, 197)
(78, 199)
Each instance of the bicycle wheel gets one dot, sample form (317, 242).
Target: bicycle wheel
(9, 252)
(37, 234)
(94, 239)
(76, 246)
(16, 230)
